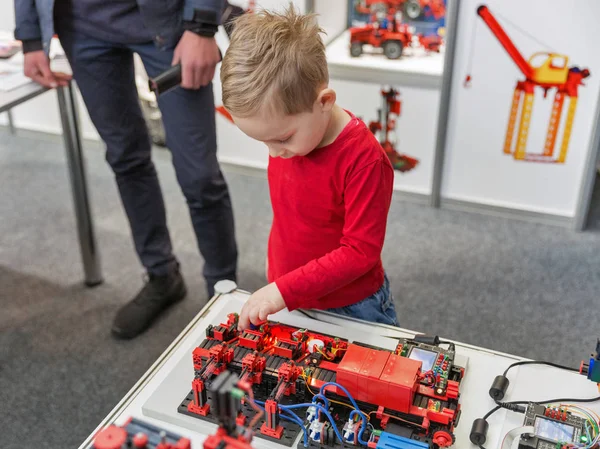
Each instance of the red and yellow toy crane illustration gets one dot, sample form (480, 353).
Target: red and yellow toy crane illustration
(385, 126)
(552, 73)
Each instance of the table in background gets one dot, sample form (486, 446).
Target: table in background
(72, 138)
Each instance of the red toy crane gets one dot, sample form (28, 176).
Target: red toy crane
(552, 73)
(385, 127)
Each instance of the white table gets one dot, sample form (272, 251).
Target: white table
(72, 139)
(527, 383)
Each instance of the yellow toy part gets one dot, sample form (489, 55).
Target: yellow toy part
(554, 69)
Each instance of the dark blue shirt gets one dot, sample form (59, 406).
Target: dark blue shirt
(117, 21)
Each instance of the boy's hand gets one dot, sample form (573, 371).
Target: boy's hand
(260, 305)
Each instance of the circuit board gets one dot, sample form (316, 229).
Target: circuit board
(334, 392)
(553, 427)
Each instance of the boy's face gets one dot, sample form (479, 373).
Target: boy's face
(292, 135)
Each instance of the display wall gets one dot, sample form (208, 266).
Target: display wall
(415, 126)
(332, 17)
(478, 167)
(524, 174)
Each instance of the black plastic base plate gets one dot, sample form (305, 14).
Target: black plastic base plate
(290, 429)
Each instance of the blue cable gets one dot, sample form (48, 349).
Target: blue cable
(322, 410)
(346, 392)
(362, 415)
(290, 416)
(322, 397)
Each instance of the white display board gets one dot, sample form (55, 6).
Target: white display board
(415, 128)
(476, 167)
(332, 16)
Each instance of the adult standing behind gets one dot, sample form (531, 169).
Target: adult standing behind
(99, 38)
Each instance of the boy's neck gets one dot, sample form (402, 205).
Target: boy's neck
(337, 122)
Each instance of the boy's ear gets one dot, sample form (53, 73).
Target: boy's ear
(326, 99)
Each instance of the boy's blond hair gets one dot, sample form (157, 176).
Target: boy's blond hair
(275, 60)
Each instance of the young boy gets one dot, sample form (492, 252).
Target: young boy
(329, 179)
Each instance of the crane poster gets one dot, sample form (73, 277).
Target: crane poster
(545, 71)
(523, 112)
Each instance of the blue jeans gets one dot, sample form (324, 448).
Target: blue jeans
(105, 76)
(377, 308)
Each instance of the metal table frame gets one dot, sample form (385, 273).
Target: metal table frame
(72, 139)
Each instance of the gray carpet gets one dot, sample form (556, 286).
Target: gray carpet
(508, 285)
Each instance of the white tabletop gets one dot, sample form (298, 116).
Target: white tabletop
(168, 376)
(415, 68)
(10, 99)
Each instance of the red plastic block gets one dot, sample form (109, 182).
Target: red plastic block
(183, 443)
(446, 416)
(202, 411)
(349, 369)
(245, 340)
(218, 333)
(402, 374)
(452, 389)
(371, 370)
(197, 357)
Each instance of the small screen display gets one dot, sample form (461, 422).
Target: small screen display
(553, 430)
(427, 357)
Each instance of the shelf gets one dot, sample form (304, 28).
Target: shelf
(415, 68)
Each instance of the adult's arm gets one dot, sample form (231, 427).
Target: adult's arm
(210, 10)
(197, 51)
(27, 25)
(36, 64)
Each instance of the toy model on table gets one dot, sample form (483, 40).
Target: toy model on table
(335, 392)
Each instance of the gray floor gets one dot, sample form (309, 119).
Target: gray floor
(508, 285)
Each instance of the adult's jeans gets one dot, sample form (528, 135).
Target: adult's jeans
(104, 72)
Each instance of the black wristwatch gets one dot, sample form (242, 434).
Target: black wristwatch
(204, 23)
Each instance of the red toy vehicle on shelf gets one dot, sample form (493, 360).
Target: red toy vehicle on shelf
(413, 9)
(390, 35)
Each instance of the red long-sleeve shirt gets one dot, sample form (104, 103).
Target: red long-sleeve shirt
(329, 218)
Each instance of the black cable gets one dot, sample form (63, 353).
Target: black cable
(451, 345)
(491, 412)
(535, 362)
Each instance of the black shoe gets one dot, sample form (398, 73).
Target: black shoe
(157, 295)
